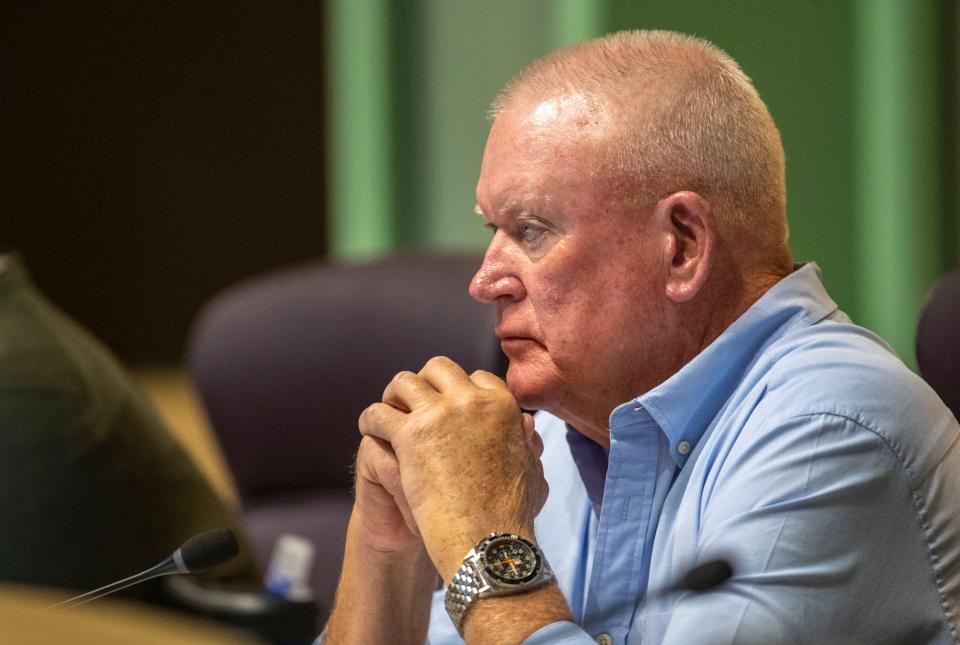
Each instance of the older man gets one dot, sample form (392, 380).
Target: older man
(701, 397)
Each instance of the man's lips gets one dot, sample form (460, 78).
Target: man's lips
(504, 333)
(516, 339)
(516, 335)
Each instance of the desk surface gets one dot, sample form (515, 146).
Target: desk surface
(24, 619)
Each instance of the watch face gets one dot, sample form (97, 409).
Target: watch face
(511, 559)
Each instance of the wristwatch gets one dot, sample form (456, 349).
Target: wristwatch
(500, 564)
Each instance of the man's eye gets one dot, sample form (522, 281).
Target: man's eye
(529, 233)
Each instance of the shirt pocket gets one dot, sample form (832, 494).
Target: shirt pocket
(652, 628)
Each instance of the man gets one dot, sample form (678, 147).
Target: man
(701, 398)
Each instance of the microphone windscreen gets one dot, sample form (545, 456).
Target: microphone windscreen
(207, 550)
(705, 576)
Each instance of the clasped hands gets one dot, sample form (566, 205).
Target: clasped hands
(446, 458)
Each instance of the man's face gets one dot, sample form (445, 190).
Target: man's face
(571, 270)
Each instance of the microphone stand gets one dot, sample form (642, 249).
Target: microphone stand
(165, 568)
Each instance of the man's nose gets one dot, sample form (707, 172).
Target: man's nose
(495, 279)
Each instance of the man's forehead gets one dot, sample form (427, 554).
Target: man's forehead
(538, 146)
(536, 132)
(574, 111)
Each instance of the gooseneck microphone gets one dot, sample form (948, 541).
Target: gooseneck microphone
(702, 577)
(199, 553)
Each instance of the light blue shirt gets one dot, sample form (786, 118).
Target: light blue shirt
(798, 447)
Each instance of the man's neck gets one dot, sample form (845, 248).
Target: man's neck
(591, 418)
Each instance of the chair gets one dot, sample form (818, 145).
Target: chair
(938, 340)
(285, 363)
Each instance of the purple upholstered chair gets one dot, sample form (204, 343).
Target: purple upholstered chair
(285, 363)
(938, 340)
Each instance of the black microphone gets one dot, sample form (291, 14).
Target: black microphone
(199, 553)
(702, 577)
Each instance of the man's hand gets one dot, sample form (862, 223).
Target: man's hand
(381, 508)
(451, 457)
(387, 578)
(467, 458)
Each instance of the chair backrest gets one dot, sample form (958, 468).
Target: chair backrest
(938, 340)
(285, 363)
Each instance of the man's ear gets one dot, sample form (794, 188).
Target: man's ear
(687, 227)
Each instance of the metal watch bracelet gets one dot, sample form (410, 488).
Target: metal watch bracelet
(477, 577)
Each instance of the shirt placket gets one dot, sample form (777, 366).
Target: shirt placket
(618, 576)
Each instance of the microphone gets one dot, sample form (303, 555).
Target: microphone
(199, 553)
(702, 577)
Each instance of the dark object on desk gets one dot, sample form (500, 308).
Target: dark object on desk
(938, 340)
(279, 620)
(94, 485)
(285, 364)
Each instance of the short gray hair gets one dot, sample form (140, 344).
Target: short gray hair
(686, 118)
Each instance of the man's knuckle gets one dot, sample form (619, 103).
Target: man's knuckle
(436, 364)
(422, 431)
(405, 376)
(370, 414)
(501, 398)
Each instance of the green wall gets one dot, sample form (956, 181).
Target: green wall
(857, 88)
(800, 59)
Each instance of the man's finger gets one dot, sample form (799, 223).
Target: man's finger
(377, 464)
(407, 391)
(533, 437)
(388, 475)
(396, 490)
(536, 444)
(487, 380)
(443, 374)
(529, 423)
(380, 420)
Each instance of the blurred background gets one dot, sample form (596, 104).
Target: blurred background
(159, 151)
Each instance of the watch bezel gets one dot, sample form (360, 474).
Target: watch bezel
(495, 539)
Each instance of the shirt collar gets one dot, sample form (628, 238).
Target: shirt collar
(591, 460)
(685, 404)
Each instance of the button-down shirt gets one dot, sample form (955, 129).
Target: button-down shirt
(797, 447)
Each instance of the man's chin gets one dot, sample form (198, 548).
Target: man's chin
(531, 394)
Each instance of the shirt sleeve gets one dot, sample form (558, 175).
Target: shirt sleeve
(442, 631)
(560, 633)
(817, 515)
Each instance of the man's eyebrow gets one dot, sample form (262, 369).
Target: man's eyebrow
(511, 207)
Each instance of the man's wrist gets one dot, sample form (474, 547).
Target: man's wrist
(449, 547)
(384, 594)
(512, 619)
(382, 540)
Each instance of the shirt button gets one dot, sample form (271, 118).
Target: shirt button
(604, 639)
(683, 447)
